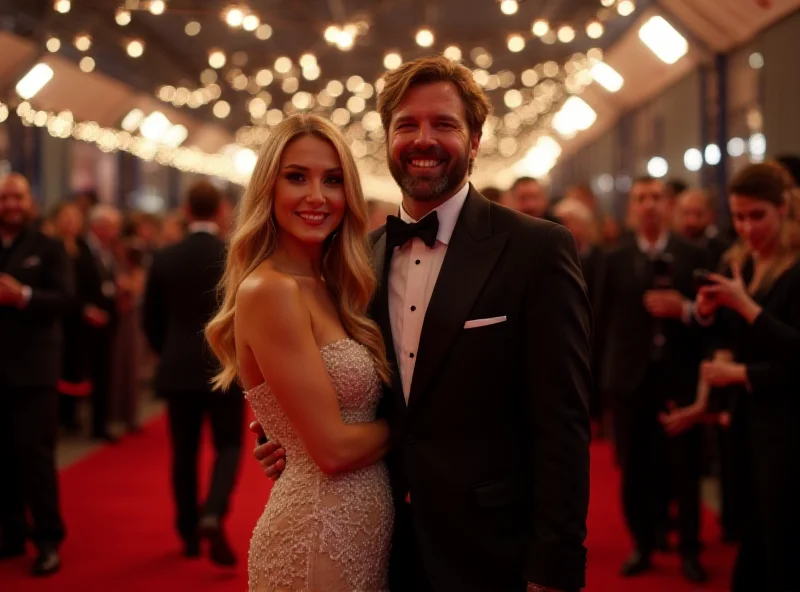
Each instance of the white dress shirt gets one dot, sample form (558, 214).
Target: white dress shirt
(412, 277)
(657, 248)
(201, 226)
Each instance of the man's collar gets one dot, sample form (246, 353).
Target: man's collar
(659, 246)
(448, 214)
(204, 226)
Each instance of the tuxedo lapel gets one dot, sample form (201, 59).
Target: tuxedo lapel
(471, 255)
(19, 249)
(380, 309)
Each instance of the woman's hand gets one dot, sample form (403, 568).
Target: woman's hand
(719, 373)
(730, 293)
(269, 453)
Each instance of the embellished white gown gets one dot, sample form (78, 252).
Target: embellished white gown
(322, 533)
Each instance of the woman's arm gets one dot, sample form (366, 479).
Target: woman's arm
(274, 323)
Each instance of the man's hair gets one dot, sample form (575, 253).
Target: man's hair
(644, 179)
(522, 180)
(430, 70)
(573, 206)
(203, 200)
(492, 194)
(677, 186)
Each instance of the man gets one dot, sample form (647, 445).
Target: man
(36, 290)
(100, 312)
(651, 361)
(486, 321)
(576, 217)
(695, 221)
(527, 195)
(179, 300)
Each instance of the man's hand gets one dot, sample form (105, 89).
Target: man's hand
(678, 420)
(270, 454)
(664, 304)
(11, 292)
(95, 316)
(720, 373)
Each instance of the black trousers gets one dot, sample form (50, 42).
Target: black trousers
(406, 570)
(187, 412)
(28, 425)
(101, 343)
(652, 463)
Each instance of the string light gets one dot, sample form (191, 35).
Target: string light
(53, 44)
(509, 7)
(234, 17)
(86, 64)
(595, 30)
(157, 7)
(424, 38)
(453, 53)
(216, 59)
(516, 43)
(251, 22)
(626, 7)
(192, 28)
(135, 48)
(566, 34)
(540, 28)
(123, 17)
(62, 6)
(392, 61)
(264, 32)
(83, 42)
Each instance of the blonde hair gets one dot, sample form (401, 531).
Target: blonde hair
(766, 182)
(346, 265)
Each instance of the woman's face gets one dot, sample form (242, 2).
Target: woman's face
(69, 221)
(309, 193)
(757, 222)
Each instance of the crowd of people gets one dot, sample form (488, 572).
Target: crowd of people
(694, 348)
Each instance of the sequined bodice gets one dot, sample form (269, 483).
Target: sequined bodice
(318, 531)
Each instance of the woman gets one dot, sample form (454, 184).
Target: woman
(293, 328)
(67, 221)
(128, 345)
(760, 323)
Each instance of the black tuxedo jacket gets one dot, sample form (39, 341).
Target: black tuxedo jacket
(494, 443)
(629, 329)
(180, 298)
(30, 347)
(99, 280)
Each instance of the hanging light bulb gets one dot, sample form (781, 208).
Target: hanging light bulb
(424, 38)
(509, 7)
(123, 17)
(135, 48)
(62, 6)
(595, 30)
(157, 7)
(540, 27)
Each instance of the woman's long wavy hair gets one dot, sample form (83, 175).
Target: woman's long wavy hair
(346, 265)
(767, 182)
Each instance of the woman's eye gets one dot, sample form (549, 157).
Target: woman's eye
(334, 180)
(297, 177)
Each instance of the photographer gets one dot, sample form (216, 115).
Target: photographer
(755, 309)
(651, 359)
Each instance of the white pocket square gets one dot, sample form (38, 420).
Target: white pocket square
(484, 322)
(31, 261)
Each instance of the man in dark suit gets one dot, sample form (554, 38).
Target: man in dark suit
(36, 290)
(486, 321)
(695, 221)
(100, 312)
(529, 196)
(651, 362)
(179, 300)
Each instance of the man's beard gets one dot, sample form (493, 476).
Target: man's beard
(428, 188)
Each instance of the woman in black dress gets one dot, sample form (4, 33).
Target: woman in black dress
(757, 308)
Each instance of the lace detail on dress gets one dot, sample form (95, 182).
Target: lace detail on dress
(321, 533)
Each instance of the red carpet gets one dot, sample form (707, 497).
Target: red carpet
(119, 515)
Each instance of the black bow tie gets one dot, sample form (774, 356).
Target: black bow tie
(399, 233)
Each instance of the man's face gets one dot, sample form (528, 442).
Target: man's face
(694, 215)
(649, 207)
(107, 230)
(529, 197)
(430, 146)
(16, 203)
